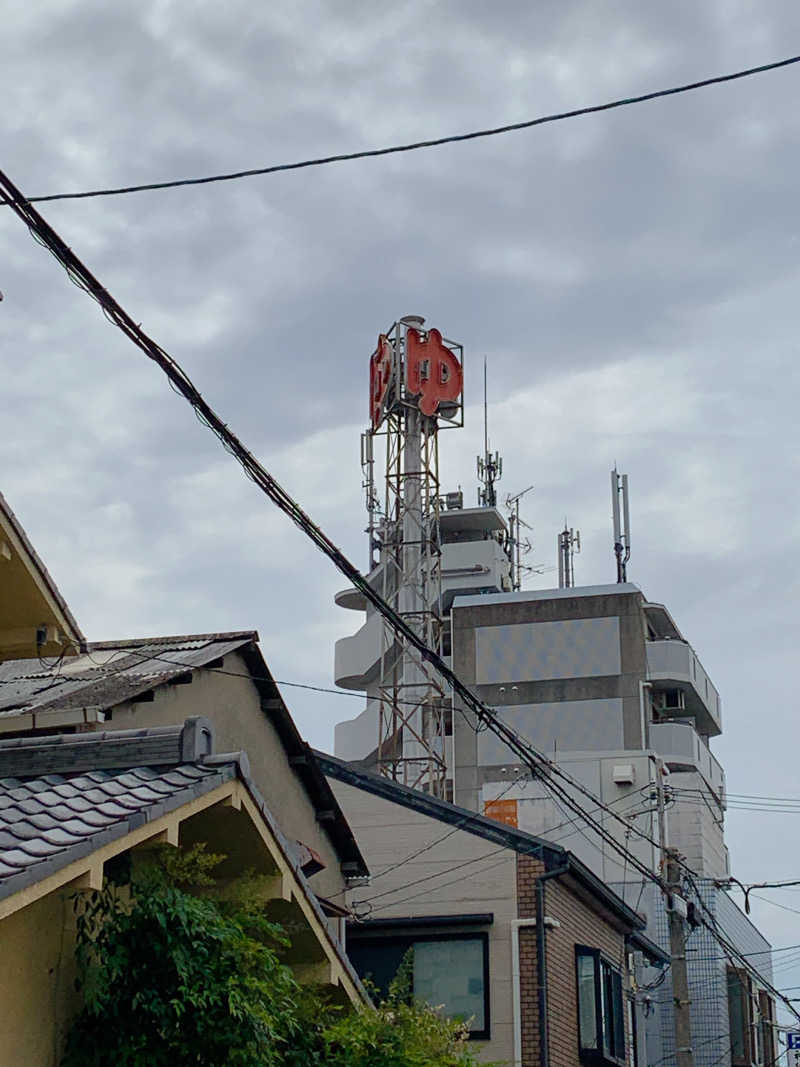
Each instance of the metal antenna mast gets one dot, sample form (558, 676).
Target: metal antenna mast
(490, 465)
(569, 545)
(415, 385)
(622, 529)
(519, 546)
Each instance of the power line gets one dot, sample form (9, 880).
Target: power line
(746, 887)
(464, 825)
(776, 904)
(179, 380)
(760, 952)
(729, 883)
(539, 764)
(545, 769)
(711, 923)
(436, 142)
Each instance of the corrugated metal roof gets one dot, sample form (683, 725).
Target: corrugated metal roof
(109, 672)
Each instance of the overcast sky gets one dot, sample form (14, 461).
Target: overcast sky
(632, 278)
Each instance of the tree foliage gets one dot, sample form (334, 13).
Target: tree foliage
(175, 972)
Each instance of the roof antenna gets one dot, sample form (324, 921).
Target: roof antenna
(569, 545)
(622, 530)
(490, 466)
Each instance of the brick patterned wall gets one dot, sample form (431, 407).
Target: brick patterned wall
(580, 925)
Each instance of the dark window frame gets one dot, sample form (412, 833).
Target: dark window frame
(609, 1005)
(420, 934)
(739, 994)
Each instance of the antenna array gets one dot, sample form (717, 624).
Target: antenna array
(569, 545)
(622, 529)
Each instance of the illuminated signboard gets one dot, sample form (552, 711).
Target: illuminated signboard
(432, 371)
(380, 377)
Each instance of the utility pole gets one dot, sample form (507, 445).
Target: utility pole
(677, 912)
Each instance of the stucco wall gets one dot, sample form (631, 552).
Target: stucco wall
(37, 975)
(234, 707)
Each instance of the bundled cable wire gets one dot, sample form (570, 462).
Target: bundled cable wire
(558, 782)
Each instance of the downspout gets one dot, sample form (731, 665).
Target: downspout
(516, 924)
(541, 963)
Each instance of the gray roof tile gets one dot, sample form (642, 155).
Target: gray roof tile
(45, 820)
(15, 857)
(39, 848)
(66, 789)
(60, 837)
(12, 815)
(23, 830)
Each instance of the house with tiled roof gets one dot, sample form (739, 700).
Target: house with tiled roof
(71, 805)
(109, 747)
(150, 683)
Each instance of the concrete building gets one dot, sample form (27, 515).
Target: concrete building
(599, 679)
(602, 681)
(73, 805)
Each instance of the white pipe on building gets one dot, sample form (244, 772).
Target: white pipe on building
(516, 924)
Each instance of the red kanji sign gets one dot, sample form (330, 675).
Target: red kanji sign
(432, 371)
(380, 375)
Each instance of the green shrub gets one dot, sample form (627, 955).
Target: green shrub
(175, 973)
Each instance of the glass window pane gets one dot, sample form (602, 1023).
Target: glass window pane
(736, 1013)
(587, 1004)
(377, 960)
(449, 974)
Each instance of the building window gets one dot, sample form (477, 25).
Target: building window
(751, 1013)
(601, 1018)
(449, 971)
(739, 1017)
(766, 1011)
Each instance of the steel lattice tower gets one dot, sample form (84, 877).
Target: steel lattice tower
(416, 386)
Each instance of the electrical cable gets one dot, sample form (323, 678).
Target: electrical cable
(740, 796)
(474, 135)
(431, 845)
(407, 885)
(776, 904)
(484, 716)
(711, 923)
(541, 766)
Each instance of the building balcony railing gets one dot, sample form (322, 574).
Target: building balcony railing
(682, 749)
(356, 658)
(673, 664)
